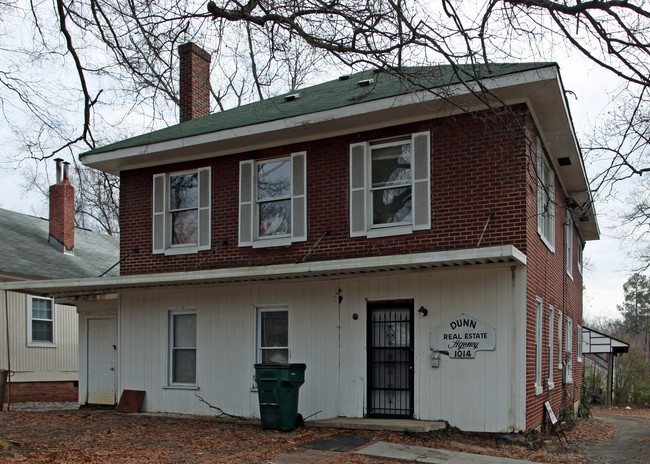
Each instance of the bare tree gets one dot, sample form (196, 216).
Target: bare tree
(120, 57)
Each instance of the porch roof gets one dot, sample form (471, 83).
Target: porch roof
(66, 288)
(595, 342)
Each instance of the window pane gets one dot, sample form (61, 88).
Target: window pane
(391, 205)
(185, 330)
(41, 309)
(275, 356)
(274, 329)
(275, 218)
(184, 227)
(183, 191)
(391, 166)
(184, 366)
(42, 331)
(273, 180)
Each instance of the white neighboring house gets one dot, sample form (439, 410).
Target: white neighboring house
(38, 337)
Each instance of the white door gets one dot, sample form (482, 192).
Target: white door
(102, 355)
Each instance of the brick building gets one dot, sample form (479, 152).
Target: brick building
(415, 241)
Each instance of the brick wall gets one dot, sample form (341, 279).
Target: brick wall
(477, 167)
(42, 391)
(548, 280)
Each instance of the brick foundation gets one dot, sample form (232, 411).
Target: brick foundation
(42, 391)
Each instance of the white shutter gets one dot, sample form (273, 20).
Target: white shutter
(421, 180)
(158, 225)
(358, 208)
(205, 186)
(299, 196)
(246, 203)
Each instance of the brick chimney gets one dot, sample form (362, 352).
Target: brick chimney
(62, 210)
(194, 84)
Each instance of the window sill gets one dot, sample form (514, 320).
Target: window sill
(42, 345)
(551, 385)
(272, 242)
(538, 390)
(185, 250)
(550, 247)
(390, 231)
(181, 387)
(570, 275)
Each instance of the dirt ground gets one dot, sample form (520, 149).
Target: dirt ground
(105, 436)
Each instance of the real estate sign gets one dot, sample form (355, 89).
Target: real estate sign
(462, 337)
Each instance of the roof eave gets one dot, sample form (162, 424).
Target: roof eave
(62, 288)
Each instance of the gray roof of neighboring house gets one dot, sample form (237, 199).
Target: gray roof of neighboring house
(25, 251)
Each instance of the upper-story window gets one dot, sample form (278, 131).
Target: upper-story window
(569, 247)
(390, 190)
(581, 247)
(181, 212)
(42, 327)
(545, 199)
(273, 201)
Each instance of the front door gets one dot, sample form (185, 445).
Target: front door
(390, 359)
(102, 355)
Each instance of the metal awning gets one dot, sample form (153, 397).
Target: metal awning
(63, 288)
(594, 342)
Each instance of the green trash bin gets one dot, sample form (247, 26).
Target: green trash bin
(277, 391)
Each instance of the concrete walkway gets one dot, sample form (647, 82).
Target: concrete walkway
(382, 449)
(421, 454)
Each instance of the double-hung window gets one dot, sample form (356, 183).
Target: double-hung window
(273, 335)
(560, 364)
(545, 199)
(182, 348)
(390, 191)
(273, 201)
(569, 351)
(42, 327)
(538, 346)
(181, 212)
(579, 339)
(551, 334)
(569, 247)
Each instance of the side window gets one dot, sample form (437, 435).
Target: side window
(273, 201)
(569, 351)
(545, 199)
(182, 348)
(272, 335)
(551, 334)
(181, 212)
(41, 320)
(559, 340)
(539, 307)
(579, 340)
(569, 247)
(581, 247)
(390, 191)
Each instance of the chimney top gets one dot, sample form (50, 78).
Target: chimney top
(194, 83)
(62, 210)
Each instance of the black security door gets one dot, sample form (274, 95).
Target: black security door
(390, 359)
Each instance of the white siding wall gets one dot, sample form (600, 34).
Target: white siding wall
(30, 363)
(226, 320)
(482, 394)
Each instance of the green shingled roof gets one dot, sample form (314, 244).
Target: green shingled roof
(330, 95)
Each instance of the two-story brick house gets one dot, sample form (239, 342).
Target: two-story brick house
(355, 226)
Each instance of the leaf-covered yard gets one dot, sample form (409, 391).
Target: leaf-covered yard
(105, 436)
